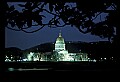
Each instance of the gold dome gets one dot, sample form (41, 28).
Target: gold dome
(60, 39)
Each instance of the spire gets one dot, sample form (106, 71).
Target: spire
(60, 34)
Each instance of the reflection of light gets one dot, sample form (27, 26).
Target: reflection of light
(6, 56)
(11, 69)
(105, 58)
(68, 58)
(20, 69)
(7, 60)
(36, 59)
(24, 59)
(42, 59)
(94, 60)
(31, 53)
(30, 56)
(18, 60)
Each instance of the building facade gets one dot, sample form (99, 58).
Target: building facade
(64, 55)
(58, 54)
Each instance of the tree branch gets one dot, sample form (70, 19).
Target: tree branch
(13, 29)
(96, 16)
(48, 11)
(33, 31)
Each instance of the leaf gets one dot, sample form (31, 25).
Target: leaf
(12, 8)
(28, 5)
(38, 19)
(21, 5)
(56, 22)
(43, 16)
(12, 24)
(29, 23)
(43, 4)
(50, 7)
(39, 22)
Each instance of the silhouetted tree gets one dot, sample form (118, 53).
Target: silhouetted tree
(81, 14)
(14, 52)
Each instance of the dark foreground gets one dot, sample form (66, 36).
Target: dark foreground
(57, 69)
(61, 66)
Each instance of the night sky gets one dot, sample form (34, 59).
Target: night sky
(24, 40)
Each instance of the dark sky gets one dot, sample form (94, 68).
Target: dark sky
(25, 40)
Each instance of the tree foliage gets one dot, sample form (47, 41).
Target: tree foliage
(81, 14)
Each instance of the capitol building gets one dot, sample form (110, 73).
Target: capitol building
(58, 54)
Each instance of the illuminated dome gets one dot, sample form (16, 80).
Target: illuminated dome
(60, 44)
(60, 39)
